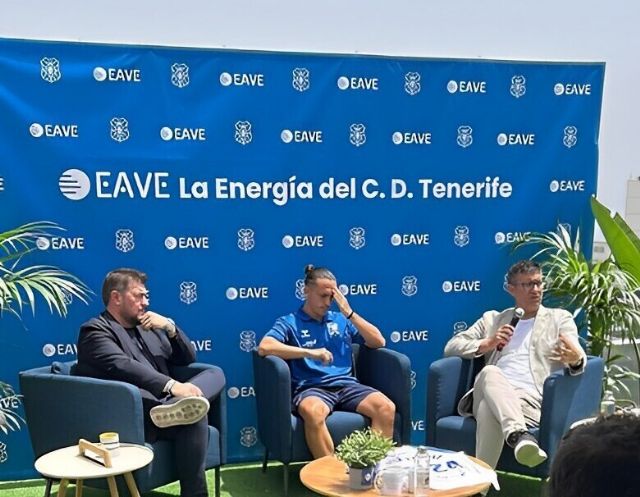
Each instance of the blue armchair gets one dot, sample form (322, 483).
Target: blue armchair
(282, 433)
(565, 399)
(61, 408)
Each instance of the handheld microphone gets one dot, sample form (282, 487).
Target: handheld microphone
(518, 312)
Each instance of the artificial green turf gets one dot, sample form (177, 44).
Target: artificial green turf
(247, 480)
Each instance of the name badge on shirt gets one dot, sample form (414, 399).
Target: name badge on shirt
(333, 330)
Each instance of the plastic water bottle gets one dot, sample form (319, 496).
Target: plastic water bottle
(608, 404)
(421, 472)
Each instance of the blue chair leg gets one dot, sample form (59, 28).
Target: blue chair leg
(47, 488)
(216, 476)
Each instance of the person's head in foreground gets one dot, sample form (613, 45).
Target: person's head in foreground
(599, 459)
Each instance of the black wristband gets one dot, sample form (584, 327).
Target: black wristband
(350, 314)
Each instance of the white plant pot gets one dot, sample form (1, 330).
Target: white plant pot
(361, 478)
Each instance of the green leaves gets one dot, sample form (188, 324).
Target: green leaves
(20, 286)
(363, 448)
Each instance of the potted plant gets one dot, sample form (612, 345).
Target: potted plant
(361, 451)
(19, 287)
(602, 296)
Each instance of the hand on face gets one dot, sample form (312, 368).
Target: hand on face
(341, 300)
(152, 320)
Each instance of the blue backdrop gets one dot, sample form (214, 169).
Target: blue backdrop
(222, 173)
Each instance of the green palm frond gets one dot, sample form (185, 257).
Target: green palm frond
(603, 297)
(20, 286)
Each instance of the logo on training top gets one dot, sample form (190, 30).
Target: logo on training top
(511, 237)
(50, 69)
(357, 134)
(467, 86)
(358, 288)
(300, 289)
(243, 133)
(570, 138)
(333, 330)
(188, 292)
(247, 340)
(183, 134)
(124, 240)
(412, 83)
(459, 326)
(518, 86)
(464, 138)
(119, 129)
(572, 89)
(74, 184)
(180, 75)
(248, 436)
(301, 79)
(246, 239)
(241, 79)
(54, 130)
(461, 236)
(409, 286)
(4, 456)
(567, 185)
(356, 238)
(117, 74)
(301, 241)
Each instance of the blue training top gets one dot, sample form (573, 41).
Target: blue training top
(335, 333)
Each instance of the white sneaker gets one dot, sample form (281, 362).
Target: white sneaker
(185, 411)
(527, 451)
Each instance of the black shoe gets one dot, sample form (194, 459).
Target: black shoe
(526, 449)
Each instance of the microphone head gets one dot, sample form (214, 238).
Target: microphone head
(518, 312)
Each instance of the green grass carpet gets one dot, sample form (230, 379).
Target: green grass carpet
(247, 480)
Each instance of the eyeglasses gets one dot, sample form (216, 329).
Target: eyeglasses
(528, 285)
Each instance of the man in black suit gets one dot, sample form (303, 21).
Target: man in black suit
(129, 343)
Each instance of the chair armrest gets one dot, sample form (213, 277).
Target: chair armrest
(272, 381)
(218, 408)
(85, 407)
(447, 381)
(389, 372)
(567, 399)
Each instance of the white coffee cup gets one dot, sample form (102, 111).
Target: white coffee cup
(391, 480)
(110, 441)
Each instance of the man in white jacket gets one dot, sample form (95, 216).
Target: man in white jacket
(507, 393)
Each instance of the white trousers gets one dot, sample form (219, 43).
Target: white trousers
(500, 409)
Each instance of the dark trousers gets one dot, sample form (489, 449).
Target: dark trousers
(191, 442)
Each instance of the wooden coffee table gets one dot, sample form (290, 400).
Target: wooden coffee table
(327, 476)
(67, 464)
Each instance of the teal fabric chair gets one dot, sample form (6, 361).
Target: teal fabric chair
(565, 399)
(282, 433)
(61, 408)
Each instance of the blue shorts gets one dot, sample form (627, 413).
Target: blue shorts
(343, 398)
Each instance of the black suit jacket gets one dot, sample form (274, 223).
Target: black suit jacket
(107, 351)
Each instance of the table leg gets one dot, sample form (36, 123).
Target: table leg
(113, 488)
(62, 489)
(78, 488)
(131, 484)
